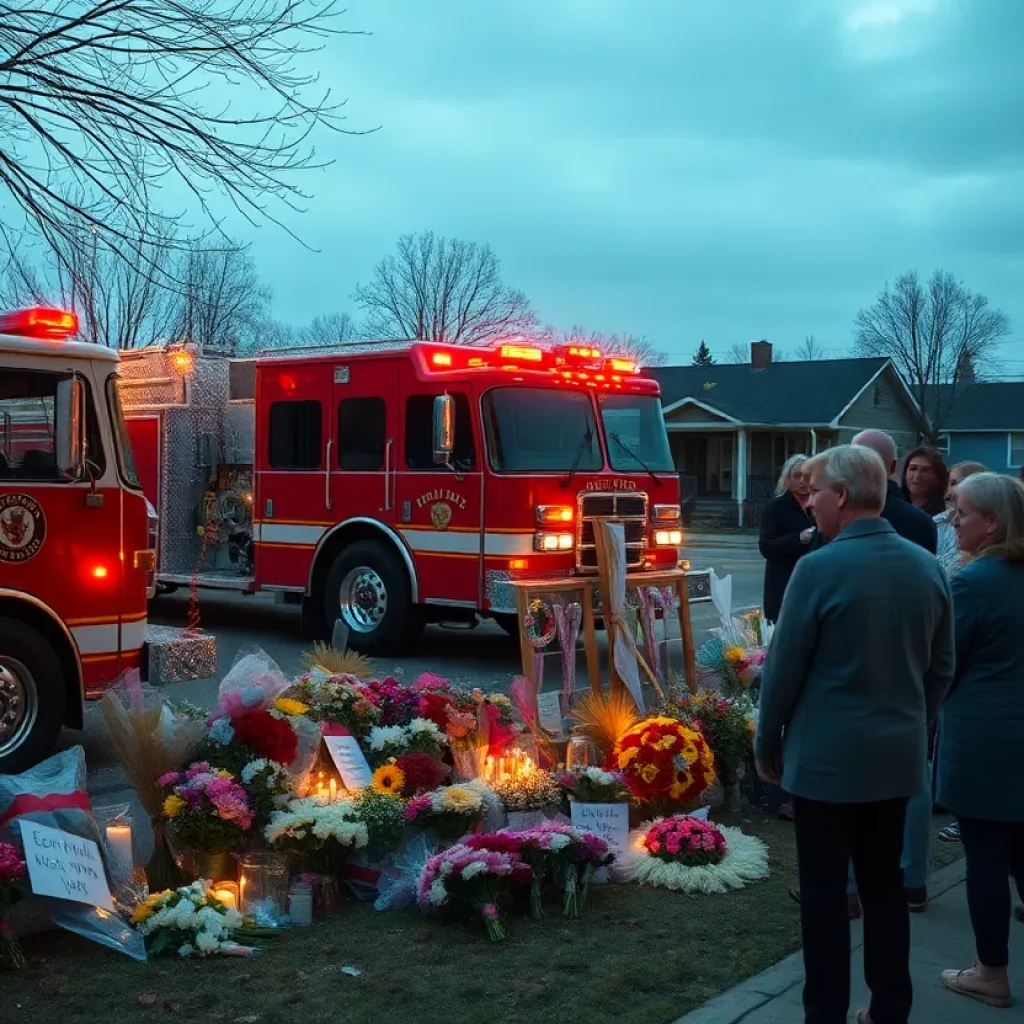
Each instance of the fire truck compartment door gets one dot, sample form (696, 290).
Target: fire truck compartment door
(439, 507)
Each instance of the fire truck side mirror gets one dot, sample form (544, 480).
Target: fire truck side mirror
(444, 429)
(69, 416)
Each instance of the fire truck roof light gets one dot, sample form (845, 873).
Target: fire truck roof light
(583, 352)
(39, 322)
(622, 365)
(441, 359)
(522, 353)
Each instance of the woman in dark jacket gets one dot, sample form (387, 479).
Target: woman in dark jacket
(787, 530)
(925, 480)
(981, 725)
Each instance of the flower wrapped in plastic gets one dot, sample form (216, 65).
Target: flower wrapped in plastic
(207, 809)
(450, 811)
(316, 836)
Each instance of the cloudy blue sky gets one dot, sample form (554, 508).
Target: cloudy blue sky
(684, 169)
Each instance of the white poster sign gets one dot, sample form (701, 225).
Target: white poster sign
(64, 865)
(609, 821)
(350, 761)
(549, 709)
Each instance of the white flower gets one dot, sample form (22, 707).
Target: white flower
(382, 736)
(232, 919)
(425, 727)
(478, 867)
(207, 943)
(184, 916)
(438, 893)
(253, 768)
(559, 841)
(599, 776)
(186, 949)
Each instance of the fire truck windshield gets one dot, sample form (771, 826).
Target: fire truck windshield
(125, 462)
(539, 430)
(636, 434)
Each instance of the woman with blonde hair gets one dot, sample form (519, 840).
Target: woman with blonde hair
(948, 552)
(787, 530)
(981, 726)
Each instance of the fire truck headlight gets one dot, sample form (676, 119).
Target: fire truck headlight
(145, 561)
(666, 513)
(552, 514)
(668, 538)
(553, 541)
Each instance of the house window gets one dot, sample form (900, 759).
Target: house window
(1016, 442)
(296, 432)
(942, 444)
(361, 428)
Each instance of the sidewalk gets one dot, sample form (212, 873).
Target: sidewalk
(942, 938)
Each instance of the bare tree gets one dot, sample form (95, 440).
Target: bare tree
(630, 346)
(328, 329)
(810, 351)
(739, 353)
(268, 334)
(101, 100)
(935, 333)
(443, 289)
(222, 303)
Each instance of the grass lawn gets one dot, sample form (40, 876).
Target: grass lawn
(637, 956)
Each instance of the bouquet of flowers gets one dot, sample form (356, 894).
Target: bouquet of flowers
(724, 722)
(737, 666)
(561, 854)
(689, 854)
(384, 818)
(206, 810)
(12, 870)
(421, 773)
(664, 760)
(596, 786)
(529, 791)
(269, 787)
(341, 699)
(451, 811)
(479, 878)
(190, 921)
(395, 704)
(420, 736)
(318, 836)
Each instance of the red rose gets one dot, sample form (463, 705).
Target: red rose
(434, 706)
(266, 735)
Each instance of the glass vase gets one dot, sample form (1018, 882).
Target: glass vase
(263, 886)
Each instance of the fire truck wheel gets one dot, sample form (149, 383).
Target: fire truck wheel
(368, 588)
(31, 697)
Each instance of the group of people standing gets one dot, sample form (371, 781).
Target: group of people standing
(895, 679)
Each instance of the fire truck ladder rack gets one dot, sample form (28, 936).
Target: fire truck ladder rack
(350, 348)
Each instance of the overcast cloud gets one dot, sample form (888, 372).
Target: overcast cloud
(683, 169)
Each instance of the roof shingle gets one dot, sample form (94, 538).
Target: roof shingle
(997, 406)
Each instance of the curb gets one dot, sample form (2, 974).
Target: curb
(736, 1003)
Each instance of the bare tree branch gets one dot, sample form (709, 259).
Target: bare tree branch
(738, 353)
(101, 100)
(935, 333)
(441, 289)
(328, 329)
(810, 351)
(630, 346)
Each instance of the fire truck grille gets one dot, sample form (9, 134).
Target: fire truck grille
(628, 508)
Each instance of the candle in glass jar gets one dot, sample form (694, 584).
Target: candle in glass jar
(119, 843)
(334, 790)
(227, 893)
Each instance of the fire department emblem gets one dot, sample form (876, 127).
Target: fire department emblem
(22, 527)
(440, 515)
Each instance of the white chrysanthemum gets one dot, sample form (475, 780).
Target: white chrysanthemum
(425, 727)
(477, 867)
(599, 776)
(559, 841)
(186, 949)
(438, 892)
(184, 916)
(232, 919)
(382, 736)
(253, 768)
(207, 943)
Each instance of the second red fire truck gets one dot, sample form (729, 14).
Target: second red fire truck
(391, 484)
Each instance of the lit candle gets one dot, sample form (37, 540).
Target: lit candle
(241, 891)
(119, 843)
(489, 770)
(227, 893)
(334, 790)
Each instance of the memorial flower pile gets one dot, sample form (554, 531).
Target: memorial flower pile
(395, 704)
(189, 921)
(664, 760)
(206, 809)
(596, 786)
(421, 773)
(724, 722)
(318, 836)
(451, 811)
(478, 878)
(340, 699)
(12, 871)
(529, 791)
(419, 736)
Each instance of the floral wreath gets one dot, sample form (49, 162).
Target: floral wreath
(662, 758)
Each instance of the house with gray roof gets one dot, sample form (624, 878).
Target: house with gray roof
(984, 423)
(732, 427)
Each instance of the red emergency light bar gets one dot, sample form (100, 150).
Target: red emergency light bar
(39, 322)
(567, 360)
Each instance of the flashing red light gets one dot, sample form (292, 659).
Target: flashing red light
(99, 572)
(583, 352)
(522, 353)
(39, 322)
(622, 365)
(441, 359)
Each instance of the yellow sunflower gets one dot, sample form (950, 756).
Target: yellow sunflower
(290, 707)
(389, 778)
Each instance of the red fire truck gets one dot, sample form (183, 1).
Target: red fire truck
(77, 555)
(390, 484)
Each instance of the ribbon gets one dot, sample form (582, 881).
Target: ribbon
(567, 619)
(538, 668)
(648, 616)
(29, 803)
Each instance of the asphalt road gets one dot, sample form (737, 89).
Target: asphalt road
(484, 656)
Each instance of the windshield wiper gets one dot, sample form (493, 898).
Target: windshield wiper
(584, 444)
(633, 455)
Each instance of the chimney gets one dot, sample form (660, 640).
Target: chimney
(760, 354)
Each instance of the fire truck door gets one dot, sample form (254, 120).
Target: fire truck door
(440, 506)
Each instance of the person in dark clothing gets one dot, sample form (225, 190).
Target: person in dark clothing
(925, 480)
(787, 530)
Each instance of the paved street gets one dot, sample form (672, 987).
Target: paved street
(484, 656)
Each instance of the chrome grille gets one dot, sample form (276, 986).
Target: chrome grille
(628, 508)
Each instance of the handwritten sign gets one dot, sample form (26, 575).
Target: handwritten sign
(64, 865)
(350, 761)
(609, 821)
(549, 708)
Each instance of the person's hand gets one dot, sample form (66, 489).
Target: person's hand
(770, 771)
(806, 536)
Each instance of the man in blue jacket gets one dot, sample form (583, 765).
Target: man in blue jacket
(861, 658)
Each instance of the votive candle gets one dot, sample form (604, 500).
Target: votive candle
(119, 843)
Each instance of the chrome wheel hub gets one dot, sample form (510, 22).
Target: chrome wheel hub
(18, 704)
(363, 599)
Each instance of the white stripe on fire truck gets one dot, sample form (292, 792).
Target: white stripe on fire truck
(133, 635)
(104, 639)
(442, 542)
(287, 533)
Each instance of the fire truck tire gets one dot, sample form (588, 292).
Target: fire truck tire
(368, 588)
(32, 697)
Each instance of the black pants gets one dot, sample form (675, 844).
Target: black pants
(994, 851)
(828, 837)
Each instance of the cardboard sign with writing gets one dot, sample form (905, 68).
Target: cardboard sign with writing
(549, 710)
(64, 865)
(609, 821)
(350, 761)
